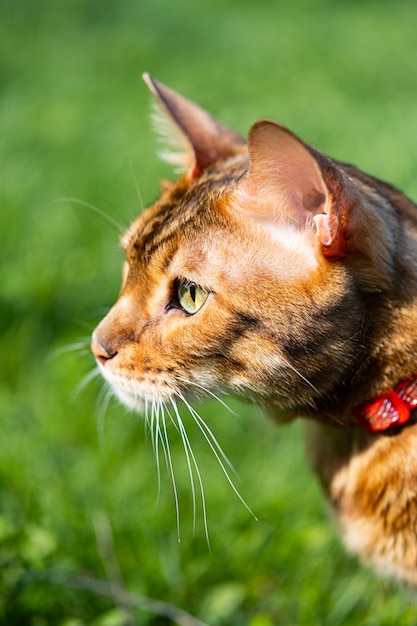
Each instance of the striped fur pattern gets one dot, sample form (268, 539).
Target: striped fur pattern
(309, 268)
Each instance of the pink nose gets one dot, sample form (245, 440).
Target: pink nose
(101, 352)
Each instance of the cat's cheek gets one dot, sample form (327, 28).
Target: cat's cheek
(127, 392)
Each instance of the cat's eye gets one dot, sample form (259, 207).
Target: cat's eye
(191, 297)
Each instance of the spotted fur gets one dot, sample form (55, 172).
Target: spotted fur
(311, 272)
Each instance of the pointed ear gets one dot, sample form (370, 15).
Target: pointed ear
(204, 138)
(285, 182)
(288, 181)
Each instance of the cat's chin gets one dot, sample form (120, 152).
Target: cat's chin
(129, 400)
(139, 401)
(136, 396)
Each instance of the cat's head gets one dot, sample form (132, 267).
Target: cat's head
(248, 275)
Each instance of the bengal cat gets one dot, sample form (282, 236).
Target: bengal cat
(271, 271)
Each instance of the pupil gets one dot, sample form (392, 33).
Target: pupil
(192, 292)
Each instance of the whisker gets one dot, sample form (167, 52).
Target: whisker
(137, 188)
(147, 419)
(164, 438)
(81, 346)
(296, 371)
(110, 220)
(209, 432)
(89, 325)
(189, 453)
(155, 438)
(186, 454)
(85, 381)
(103, 401)
(209, 393)
(203, 426)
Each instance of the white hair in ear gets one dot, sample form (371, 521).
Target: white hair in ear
(206, 140)
(175, 150)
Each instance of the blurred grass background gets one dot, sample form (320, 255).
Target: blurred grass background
(78, 485)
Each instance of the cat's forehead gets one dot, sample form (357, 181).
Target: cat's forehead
(184, 210)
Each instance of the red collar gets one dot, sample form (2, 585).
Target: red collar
(392, 408)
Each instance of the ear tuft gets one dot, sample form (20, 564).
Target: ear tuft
(176, 150)
(206, 140)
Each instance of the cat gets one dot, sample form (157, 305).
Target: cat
(273, 272)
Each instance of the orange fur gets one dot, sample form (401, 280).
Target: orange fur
(311, 272)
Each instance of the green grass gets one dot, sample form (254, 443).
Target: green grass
(79, 488)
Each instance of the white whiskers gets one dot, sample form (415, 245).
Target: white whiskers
(159, 415)
(209, 393)
(137, 187)
(102, 404)
(163, 436)
(82, 347)
(299, 374)
(85, 381)
(216, 449)
(190, 455)
(108, 218)
(212, 441)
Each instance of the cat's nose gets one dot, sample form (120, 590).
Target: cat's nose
(101, 352)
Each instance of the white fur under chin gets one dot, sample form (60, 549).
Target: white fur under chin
(134, 395)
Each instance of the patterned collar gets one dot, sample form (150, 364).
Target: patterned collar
(388, 410)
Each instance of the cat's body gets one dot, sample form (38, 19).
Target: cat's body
(272, 272)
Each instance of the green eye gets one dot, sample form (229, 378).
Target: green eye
(191, 297)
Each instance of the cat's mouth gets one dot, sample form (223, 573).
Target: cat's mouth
(143, 393)
(135, 394)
